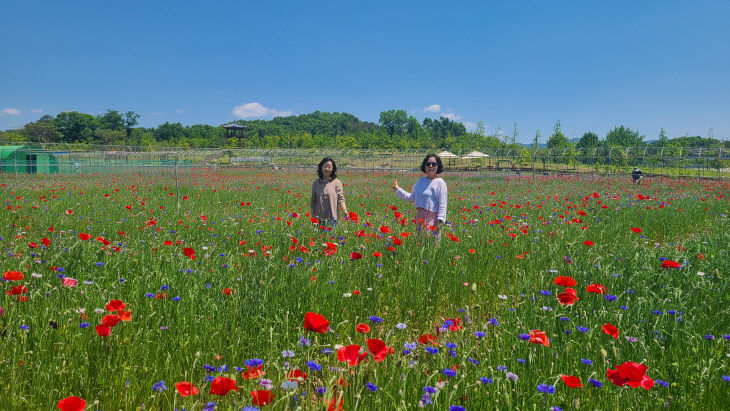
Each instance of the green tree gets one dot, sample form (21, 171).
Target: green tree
(536, 141)
(42, 131)
(624, 137)
(169, 132)
(393, 121)
(481, 130)
(130, 120)
(588, 140)
(515, 133)
(75, 126)
(663, 140)
(558, 139)
(106, 136)
(111, 120)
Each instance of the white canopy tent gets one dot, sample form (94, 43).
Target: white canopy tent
(447, 154)
(476, 154)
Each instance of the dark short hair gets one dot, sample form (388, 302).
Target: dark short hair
(334, 168)
(438, 160)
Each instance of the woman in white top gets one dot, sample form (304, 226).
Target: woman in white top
(429, 195)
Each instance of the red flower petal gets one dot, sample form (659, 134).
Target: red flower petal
(571, 381)
(185, 388)
(222, 386)
(71, 404)
(316, 322)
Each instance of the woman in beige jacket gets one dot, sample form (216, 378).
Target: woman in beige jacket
(327, 194)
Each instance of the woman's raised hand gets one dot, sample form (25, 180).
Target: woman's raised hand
(395, 184)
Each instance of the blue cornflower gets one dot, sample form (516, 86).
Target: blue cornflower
(493, 321)
(520, 361)
(304, 342)
(223, 368)
(410, 345)
(545, 292)
(209, 368)
(624, 307)
(479, 334)
(287, 353)
(726, 378)
(375, 319)
(672, 312)
(321, 390)
(250, 408)
(401, 326)
(473, 361)
(501, 368)
(595, 383)
(149, 295)
(314, 366)
(159, 386)
(546, 389)
(456, 408)
(450, 345)
(432, 350)
(449, 372)
(658, 312)
(99, 264)
(24, 327)
(372, 387)
(83, 325)
(327, 351)
(178, 298)
(253, 362)
(586, 361)
(610, 297)
(556, 408)
(164, 287)
(485, 380)
(564, 319)
(709, 337)
(430, 390)
(582, 329)
(524, 337)
(662, 383)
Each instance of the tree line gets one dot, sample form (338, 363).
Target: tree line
(395, 129)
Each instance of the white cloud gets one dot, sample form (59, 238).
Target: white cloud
(179, 111)
(433, 108)
(36, 110)
(11, 111)
(254, 109)
(451, 116)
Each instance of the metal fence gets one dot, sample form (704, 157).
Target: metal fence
(664, 161)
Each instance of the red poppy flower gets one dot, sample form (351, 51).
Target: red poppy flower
(222, 385)
(611, 330)
(596, 288)
(363, 328)
(568, 297)
(125, 315)
(253, 372)
(384, 229)
(353, 354)
(316, 322)
(227, 291)
(588, 243)
(185, 388)
(379, 349)
(71, 404)
(564, 281)
(630, 373)
(296, 375)
(84, 236)
(377, 254)
(314, 220)
(13, 276)
(46, 242)
(32, 245)
(189, 252)
(670, 264)
(571, 381)
(115, 305)
(69, 282)
(69, 212)
(261, 397)
(539, 337)
(352, 216)
(636, 229)
(427, 339)
(455, 324)
(355, 255)
(110, 320)
(103, 330)
(17, 290)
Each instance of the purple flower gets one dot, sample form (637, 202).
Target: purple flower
(709, 337)
(376, 319)
(595, 383)
(586, 361)
(449, 372)
(372, 387)
(524, 337)
(582, 329)
(662, 383)
(610, 297)
(485, 380)
(546, 389)
(479, 334)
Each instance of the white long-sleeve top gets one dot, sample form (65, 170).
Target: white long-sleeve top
(428, 194)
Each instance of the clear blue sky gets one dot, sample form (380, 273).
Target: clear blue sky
(592, 65)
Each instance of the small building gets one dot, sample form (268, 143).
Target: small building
(27, 159)
(234, 130)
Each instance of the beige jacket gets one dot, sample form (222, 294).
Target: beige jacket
(326, 196)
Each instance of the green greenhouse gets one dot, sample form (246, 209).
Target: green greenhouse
(27, 159)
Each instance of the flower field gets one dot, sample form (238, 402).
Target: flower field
(125, 291)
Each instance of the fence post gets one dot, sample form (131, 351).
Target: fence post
(177, 187)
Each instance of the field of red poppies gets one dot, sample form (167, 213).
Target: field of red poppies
(129, 291)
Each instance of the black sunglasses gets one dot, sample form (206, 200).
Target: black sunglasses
(431, 164)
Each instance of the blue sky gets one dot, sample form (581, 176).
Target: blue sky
(592, 65)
